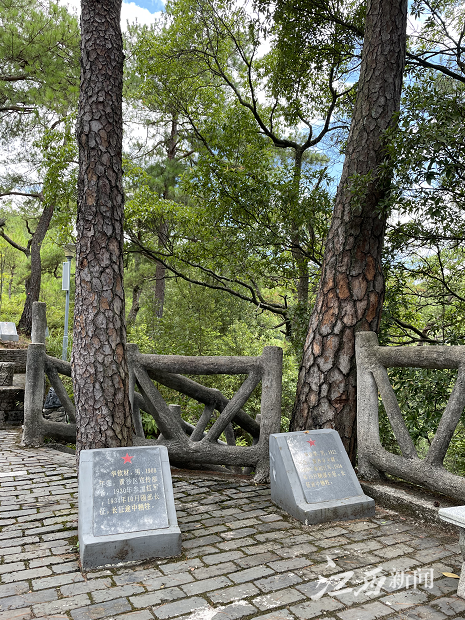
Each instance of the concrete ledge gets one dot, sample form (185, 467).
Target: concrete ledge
(409, 499)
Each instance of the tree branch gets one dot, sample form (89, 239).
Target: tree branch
(22, 249)
(222, 280)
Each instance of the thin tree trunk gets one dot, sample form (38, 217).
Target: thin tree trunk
(298, 255)
(160, 269)
(351, 290)
(34, 280)
(10, 284)
(300, 313)
(132, 315)
(160, 273)
(99, 365)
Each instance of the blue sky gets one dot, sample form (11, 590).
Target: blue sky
(142, 11)
(153, 6)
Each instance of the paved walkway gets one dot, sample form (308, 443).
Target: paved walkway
(242, 557)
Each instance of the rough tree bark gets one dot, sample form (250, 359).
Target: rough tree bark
(351, 290)
(99, 364)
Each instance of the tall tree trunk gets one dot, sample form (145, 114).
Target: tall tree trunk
(300, 315)
(351, 289)
(160, 269)
(35, 277)
(160, 285)
(298, 255)
(10, 284)
(99, 365)
(160, 272)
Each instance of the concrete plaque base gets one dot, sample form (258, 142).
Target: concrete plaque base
(126, 506)
(312, 478)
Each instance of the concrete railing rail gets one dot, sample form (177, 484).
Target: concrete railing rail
(372, 379)
(187, 444)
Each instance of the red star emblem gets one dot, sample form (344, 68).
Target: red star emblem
(127, 458)
(311, 442)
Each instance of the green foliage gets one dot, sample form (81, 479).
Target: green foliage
(422, 395)
(149, 425)
(59, 150)
(430, 156)
(39, 51)
(454, 460)
(232, 199)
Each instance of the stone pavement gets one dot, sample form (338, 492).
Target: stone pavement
(242, 557)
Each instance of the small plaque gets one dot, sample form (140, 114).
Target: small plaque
(8, 331)
(322, 471)
(65, 276)
(129, 495)
(126, 506)
(313, 480)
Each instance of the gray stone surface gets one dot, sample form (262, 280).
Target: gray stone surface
(313, 480)
(7, 371)
(126, 506)
(268, 575)
(456, 516)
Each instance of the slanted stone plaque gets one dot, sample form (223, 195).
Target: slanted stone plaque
(126, 506)
(8, 331)
(313, 480)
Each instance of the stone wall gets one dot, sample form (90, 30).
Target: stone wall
(11, 396)
(11, 405)
(18, 356)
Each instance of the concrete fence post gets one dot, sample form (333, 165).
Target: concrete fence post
(39, 322)
(131, 352)
(367, 405)
(34, 396)
(270, 406)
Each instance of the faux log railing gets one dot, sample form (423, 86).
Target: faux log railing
(372, 379)
(187, 444)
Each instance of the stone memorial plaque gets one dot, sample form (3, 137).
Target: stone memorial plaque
(313, 479)
(126, 506)
(129, 495)
(8, 331)
(321, 468)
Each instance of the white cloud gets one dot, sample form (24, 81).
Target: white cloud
(130, 12)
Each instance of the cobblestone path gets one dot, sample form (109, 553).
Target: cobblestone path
(242, 557)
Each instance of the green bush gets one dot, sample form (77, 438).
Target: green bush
(422, 395)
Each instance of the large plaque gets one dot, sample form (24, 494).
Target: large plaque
(126, 506)
(129, 494)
